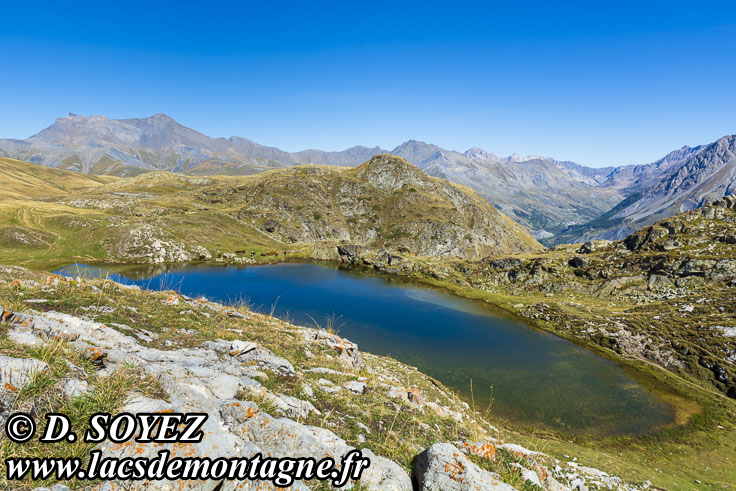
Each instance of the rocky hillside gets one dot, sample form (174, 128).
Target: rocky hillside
(306, 210)
(384, 203)
(707, 175)
(269, 387)
(637, 178)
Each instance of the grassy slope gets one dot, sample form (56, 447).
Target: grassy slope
(33, 226)
(22, 180)
(39, 229)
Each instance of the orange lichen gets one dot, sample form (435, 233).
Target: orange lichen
(415, 396)
(483, 449)
(455, 469)
(181, 449)
(96, 354)
(411, 394)
(10, 387)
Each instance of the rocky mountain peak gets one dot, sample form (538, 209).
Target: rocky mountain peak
(415, 151)
(81, 118)
(728, 141)
(123, 137)
(386, 171)
(479, 153)
(159, 119)
(386, 160)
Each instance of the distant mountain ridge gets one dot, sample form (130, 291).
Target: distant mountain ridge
(683, 180)
(556, 200)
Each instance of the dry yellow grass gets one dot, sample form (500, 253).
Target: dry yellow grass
(22, 180)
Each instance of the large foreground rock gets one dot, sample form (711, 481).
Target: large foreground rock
(442, 467)
(284, 437)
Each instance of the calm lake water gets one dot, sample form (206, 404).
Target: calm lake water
(528, 377)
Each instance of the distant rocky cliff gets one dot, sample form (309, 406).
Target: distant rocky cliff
(685, 179)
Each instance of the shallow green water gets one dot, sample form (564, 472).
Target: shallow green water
(528, 376)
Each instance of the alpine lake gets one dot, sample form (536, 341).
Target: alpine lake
(518, 373)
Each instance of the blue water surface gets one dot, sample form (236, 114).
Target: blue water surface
(524, 375)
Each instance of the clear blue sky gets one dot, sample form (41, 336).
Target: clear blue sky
(598, 84)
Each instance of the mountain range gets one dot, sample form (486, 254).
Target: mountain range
(559, 201)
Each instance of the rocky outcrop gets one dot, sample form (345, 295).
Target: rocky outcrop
(673, 252)
(687, 224)
(198, 380)
(384, 203)
(146, 243)
(442, 467)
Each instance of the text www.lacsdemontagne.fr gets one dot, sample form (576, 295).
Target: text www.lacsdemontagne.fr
(162, 428)
(280, 471)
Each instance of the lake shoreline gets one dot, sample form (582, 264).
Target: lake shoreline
(681, 408)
